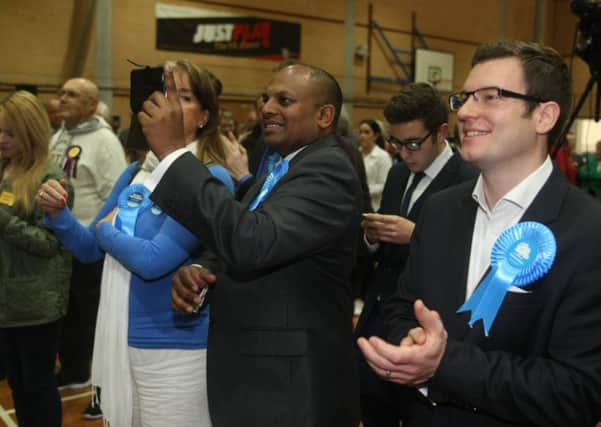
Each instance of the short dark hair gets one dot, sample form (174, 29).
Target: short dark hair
(417, 101)
(545, 73)
(328, 87)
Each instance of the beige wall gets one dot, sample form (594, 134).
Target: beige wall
(44, 42)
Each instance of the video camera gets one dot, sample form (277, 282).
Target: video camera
(588, 46)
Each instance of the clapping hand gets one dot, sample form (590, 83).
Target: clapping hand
(415, 360)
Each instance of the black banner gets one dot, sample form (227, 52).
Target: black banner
(231, 36)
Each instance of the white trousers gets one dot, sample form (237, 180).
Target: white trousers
(170, 387)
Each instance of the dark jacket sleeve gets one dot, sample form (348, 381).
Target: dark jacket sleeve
(311, 205)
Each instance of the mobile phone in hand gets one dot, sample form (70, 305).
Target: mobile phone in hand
(143, 83)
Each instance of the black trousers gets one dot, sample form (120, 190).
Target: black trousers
(30, 356)
(77, 327)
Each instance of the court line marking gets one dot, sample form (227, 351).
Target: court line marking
(77, 396)
(5, 416)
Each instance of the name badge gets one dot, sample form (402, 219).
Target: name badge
(7, 198)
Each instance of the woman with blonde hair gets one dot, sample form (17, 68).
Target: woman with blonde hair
(34, 267)
(149, 361)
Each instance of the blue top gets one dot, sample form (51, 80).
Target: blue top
(158, 247)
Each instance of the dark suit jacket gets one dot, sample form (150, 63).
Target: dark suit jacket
(391, 257)
(541, 364)
(255, 149)
(280, 338)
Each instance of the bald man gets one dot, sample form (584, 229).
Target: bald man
(53, 108)
(92, 156)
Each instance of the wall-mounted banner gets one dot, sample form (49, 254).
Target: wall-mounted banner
(193, 30)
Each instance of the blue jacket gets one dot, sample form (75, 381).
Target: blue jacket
(157, 249)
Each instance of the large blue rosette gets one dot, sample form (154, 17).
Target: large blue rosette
(521, 255)
(132, 199)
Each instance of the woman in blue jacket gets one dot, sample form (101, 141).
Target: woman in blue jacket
(149, 361)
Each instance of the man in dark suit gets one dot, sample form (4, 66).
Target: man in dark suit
(539, 364)
(281, 348)
(418, 128)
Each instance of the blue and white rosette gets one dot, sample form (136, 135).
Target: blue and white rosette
(132, 199)
(521, 255)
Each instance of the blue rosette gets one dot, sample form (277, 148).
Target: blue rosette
(521, 255)
(132, 199)
(272, 179)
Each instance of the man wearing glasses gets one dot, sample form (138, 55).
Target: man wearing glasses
(418, 127)
(538, 361)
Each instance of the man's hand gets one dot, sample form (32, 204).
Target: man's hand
(52, 197)
(236, 159)
(162, 121)
(187, 284)
(418, 356)
(387, 228)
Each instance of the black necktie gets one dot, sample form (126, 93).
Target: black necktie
(417, 177)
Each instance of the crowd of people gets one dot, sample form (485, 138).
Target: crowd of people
(211, 280)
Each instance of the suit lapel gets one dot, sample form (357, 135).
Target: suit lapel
(254, 190)
(460, 233)
(402, 185)
(546, 205)
(439, 182)
(545, 209)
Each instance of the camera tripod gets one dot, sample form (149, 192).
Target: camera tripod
(595, 78)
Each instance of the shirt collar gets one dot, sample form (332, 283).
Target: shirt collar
(292, 155)
(438, 163)
(522, 194)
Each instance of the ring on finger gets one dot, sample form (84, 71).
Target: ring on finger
(387, 373)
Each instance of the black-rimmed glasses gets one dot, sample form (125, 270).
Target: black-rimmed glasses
(489, 96)
(411, 144)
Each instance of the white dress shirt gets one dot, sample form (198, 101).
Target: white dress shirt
(490, 223)
(430, 173)
(377, 164)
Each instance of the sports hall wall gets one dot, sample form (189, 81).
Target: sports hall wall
(44, 43)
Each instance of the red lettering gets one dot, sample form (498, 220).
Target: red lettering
(240, 32)
(261, 31)
(266, 34)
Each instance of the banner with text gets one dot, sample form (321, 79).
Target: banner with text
(228, 35)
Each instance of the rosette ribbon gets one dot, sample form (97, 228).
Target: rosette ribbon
(521, 255)
(272, 179)
(132, 199)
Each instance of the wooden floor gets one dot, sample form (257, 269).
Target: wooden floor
(74, 403)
